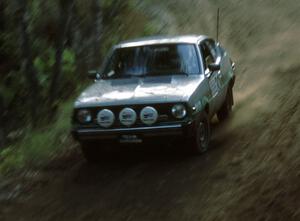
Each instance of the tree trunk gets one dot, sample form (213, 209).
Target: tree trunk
(2, 126)
(98, 27)
(65, 11)
(78, 45)
(116, 7)
(2, 21)
(27, 66)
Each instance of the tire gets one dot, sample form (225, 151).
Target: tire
(90, 151)
(226, 107)
(201, 135)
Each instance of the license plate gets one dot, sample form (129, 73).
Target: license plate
(130, 139)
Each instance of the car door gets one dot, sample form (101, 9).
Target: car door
(226, 71)
(210, 55)
(222, 73)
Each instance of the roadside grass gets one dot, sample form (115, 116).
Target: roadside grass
(39, 146)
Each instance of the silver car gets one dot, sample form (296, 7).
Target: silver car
(155, 89)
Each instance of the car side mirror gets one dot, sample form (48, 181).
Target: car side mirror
(214, 67)
(233, 66)
(95, 75)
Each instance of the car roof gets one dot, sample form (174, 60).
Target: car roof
(154, 40)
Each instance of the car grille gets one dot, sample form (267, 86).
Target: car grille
(164, 114)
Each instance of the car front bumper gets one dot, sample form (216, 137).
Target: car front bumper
(134, 135)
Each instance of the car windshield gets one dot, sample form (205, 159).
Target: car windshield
(152, 60)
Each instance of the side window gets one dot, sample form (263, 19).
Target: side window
(215, 51)
(209, 52)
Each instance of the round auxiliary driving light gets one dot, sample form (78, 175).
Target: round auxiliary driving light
(149, 115)
(105, 118)
(127, 117)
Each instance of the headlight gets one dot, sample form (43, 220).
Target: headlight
(84, 116)
(179, 111)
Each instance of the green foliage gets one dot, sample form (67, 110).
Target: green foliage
(119, 20)
(37, 147)
(150, 28)
(68, 77)
(43, 65)
(68, 63)
(7, 94)
(107, 3)
(12, 94)
(8, 44)
(11, 160)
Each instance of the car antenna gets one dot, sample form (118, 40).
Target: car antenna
(218, 23)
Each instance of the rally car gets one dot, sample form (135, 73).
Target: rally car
(155, 89)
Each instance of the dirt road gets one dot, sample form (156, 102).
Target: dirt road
(252, 171)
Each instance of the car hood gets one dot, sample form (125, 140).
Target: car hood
(163, 89)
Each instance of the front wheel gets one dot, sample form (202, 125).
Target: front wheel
(201, 139)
